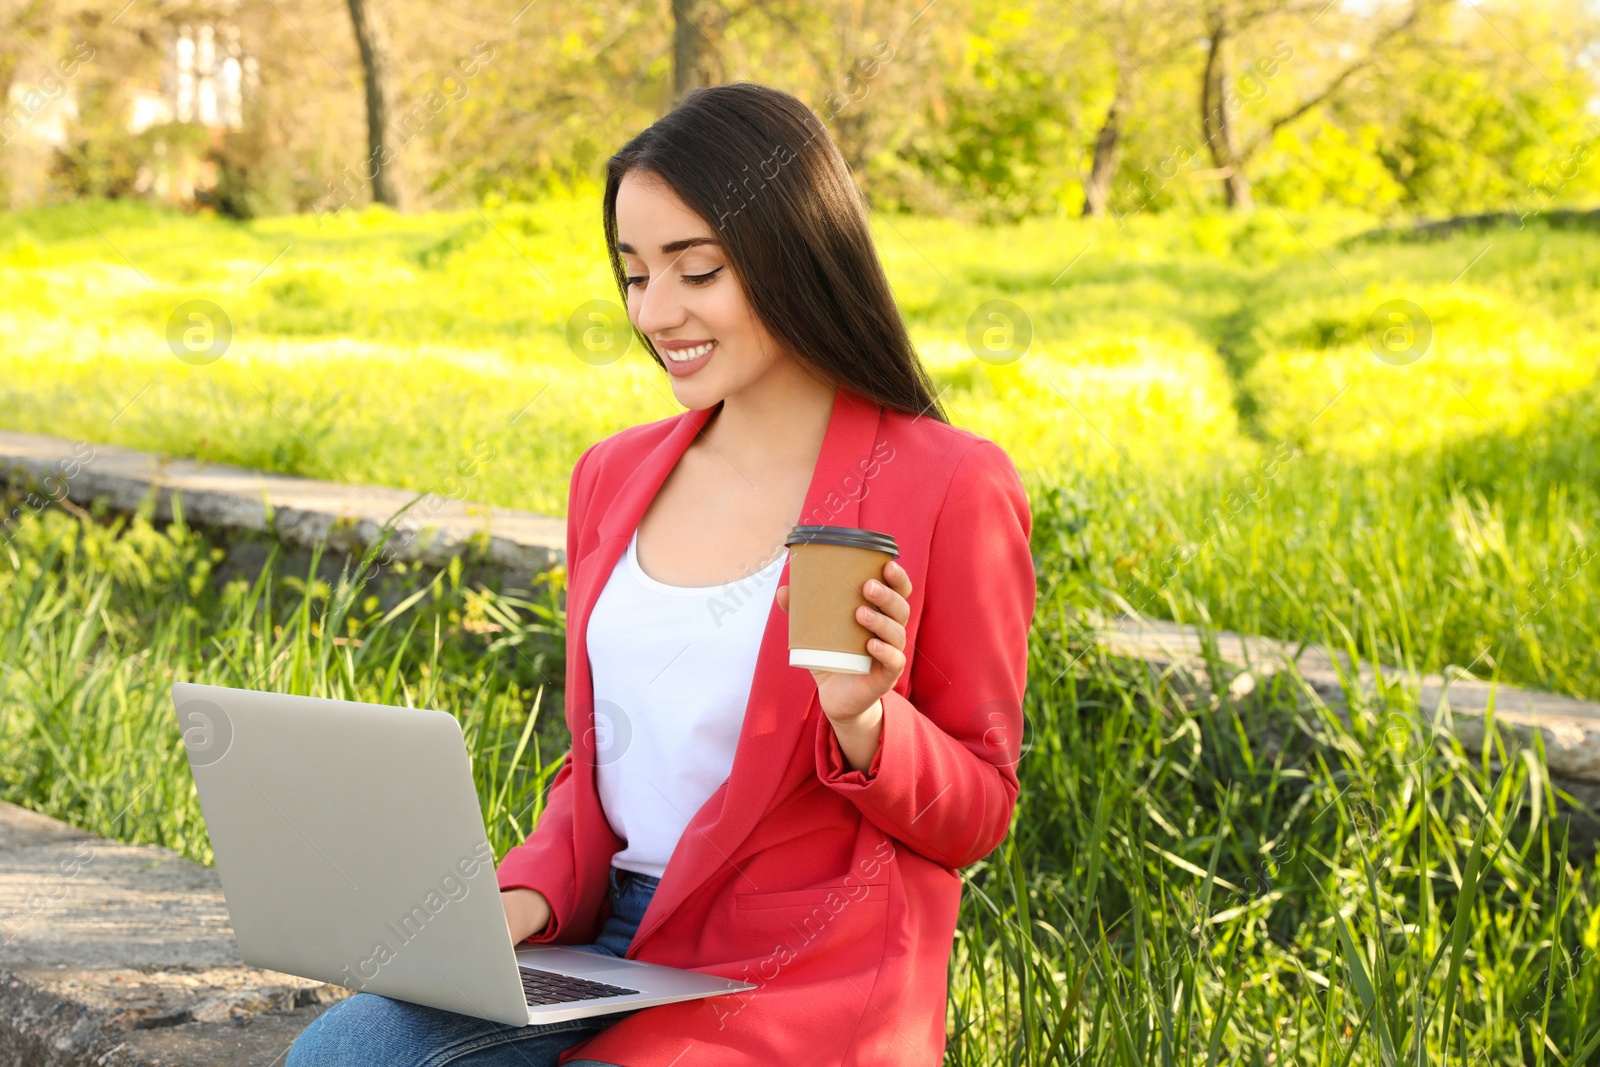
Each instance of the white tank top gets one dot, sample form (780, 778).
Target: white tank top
(672, 668)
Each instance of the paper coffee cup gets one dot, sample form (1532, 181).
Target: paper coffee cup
(828, 565)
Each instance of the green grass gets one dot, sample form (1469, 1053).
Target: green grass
(1207, 432)
(1440, 510)
(1174, 889)
(105, 612)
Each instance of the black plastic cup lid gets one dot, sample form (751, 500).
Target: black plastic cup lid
(849, 536)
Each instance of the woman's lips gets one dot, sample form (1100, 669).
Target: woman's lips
(679, 370)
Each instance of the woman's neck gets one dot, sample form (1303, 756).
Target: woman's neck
(765, 428)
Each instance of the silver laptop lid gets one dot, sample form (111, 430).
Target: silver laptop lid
(351, 847)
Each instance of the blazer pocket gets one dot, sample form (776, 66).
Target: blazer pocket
(816, 897)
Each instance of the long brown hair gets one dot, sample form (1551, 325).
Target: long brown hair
(756, 164)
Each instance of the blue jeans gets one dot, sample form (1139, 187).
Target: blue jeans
(368, 1029)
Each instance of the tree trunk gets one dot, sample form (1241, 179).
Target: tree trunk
(1216, 123)
(383, 163)
(9, 199)
(697, 30)
(1107, 146)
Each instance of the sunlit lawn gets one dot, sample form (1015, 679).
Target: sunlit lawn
(1206, 430)
(1203, 394)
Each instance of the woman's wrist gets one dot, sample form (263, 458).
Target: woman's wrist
(859, 737)
(527, 912)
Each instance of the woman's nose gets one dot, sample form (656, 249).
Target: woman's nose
(656, 308)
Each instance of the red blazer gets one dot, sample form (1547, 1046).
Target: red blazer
(835, 892)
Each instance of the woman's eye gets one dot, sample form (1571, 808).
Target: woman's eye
(692, 279)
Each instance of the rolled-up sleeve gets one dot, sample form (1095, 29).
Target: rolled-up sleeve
(943, 780)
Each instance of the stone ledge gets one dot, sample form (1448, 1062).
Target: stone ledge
(122, 956)
(303, 512)
(298, 511)
(1570, 728)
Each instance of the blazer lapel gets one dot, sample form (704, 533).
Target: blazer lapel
(780, 695)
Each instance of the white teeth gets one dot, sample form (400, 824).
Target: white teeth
(685, 355)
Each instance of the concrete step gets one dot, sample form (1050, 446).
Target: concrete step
(299, 512)
(347, 518)
(122, 956)
(1452, 700)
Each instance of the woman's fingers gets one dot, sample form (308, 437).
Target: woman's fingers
(886, 627)
(891, 658)
(890, 594)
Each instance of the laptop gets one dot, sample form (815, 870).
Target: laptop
(351, 848)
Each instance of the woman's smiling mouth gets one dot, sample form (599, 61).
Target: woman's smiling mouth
(687, 358)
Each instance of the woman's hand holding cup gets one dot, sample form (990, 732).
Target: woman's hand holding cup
(845, 696)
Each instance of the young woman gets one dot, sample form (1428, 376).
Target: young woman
(720, 810)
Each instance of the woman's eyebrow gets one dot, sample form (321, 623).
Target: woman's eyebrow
(672, 246)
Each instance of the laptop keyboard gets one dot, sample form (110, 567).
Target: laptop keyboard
(544, 987)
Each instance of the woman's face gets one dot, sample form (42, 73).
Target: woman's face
(683, 295)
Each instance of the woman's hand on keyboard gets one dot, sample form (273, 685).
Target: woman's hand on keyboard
(527, 912)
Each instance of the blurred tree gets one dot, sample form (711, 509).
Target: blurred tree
(1139, 34)
(975, 109)
(1481, 108)
(1223, 21)
(1498, 112)
(383, 168)
(1108, 143)
(1005, 130)
(536, 105)
(102, 154)
(23, 25)
(698, 28)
